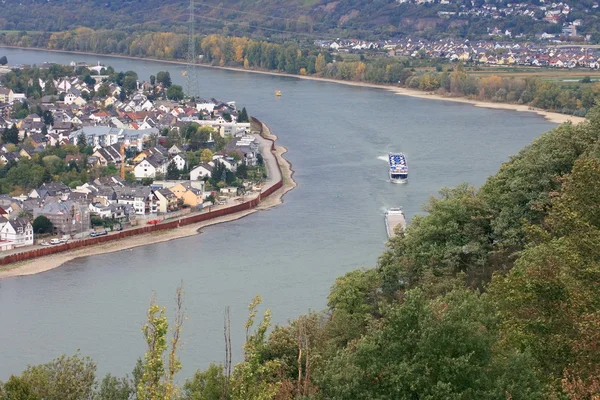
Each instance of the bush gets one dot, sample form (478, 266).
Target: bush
(42, 225)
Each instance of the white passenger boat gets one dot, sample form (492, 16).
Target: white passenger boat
(398, 168)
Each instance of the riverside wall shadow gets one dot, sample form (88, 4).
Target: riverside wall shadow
(171, 224)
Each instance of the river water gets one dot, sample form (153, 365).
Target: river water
(332, 223)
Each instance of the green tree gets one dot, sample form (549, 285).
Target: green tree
(243, 116)
(242, 171)
(206, 385)
(172, 171)
(430, 349)
(113, 388)
(152, 80)
(157, 381)
(48, 118)
(548, 302)
(253, 378)
(164, 77)
(16, 388)
(42, 225)
(11, 135)
(175, 92)
(65, 378)
(129, 84)
(81, 141)
(3, 60)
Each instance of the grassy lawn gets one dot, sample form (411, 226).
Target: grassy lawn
(544, 73)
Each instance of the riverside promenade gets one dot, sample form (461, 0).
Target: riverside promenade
(41, 259)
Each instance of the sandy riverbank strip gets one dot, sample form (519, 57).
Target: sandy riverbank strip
(47, 263)
(554, 117)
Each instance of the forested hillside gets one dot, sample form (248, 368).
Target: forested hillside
(310, 19)
(493, 294)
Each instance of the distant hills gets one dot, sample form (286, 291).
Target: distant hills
(310, 19)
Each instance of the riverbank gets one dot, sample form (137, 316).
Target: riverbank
(554, 117)
(47, 263)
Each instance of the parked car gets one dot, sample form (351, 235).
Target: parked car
(65, 238)
(102, 233)
(55, 241)
(44, 243)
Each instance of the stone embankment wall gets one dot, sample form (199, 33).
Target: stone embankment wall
(172, 224)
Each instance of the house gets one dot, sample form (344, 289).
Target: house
(201, 171)
(52, 189)
(228, 162)
(173, 150)
(179, 161)
(6, 95)
(109, 155)
(97, 136)
(122, 212)
(150, 167)
(142, 199)
(167, 200)
(247, 146)
(100, 210)
(17, 232)
(68, 217)
(191, 193)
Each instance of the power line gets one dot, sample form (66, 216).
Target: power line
(192, 73)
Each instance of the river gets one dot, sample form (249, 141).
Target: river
(330, 224)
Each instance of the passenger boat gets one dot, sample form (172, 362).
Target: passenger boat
(398, 168)
(394, 216)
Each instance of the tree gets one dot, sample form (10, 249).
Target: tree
(255, 378)
(11, 135)
(18, 389)
(243, 116)
(320, 64)
(431, 349)
(65, 378)
(172, 171)
(42, 225)
(242, 171)
(129, 84)
(175, 92)
(218, 174)
(113, 388)
(227, 116)
(88, 80)
(152, 80)
(164, 77)
(157, 381)
(81, 141)
(206, 156)
(3, 60)
(206, 385)
(48, 118)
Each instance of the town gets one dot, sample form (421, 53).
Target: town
(481, 53)
(86, 151)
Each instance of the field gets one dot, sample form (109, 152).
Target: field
(549, 74)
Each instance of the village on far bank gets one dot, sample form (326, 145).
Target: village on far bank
(86, 150)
